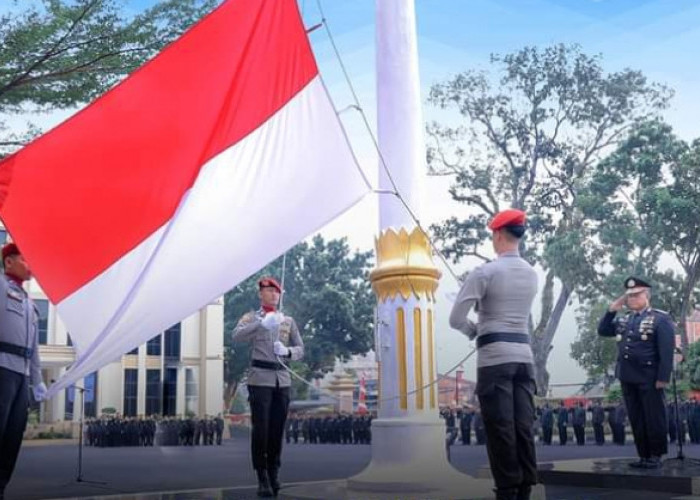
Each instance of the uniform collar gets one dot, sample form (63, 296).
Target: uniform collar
(509, 253)
(14, 279)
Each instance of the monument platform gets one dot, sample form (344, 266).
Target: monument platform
(675, 477)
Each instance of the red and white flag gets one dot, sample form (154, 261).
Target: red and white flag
(362, 399)
(205, 164)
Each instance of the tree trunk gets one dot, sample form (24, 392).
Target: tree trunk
(690, 283)
(542, 344)
(229, 393)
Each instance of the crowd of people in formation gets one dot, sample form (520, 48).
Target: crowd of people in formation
(604, 423)
(688, 419)
(339, 428)
(112, 431)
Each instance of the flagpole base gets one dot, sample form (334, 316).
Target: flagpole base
(409, 459)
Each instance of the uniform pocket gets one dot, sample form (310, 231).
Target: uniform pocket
(15, 306)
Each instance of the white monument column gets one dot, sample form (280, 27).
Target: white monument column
(408, 437)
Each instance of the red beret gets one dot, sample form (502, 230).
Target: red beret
(510, 217)
(268, 282)
(9, 249)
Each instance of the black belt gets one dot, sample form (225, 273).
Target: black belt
(489, 338)
(267, 365)
(17, 350)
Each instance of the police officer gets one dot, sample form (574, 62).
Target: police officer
(579, 423)
(502, 292)
(465, 426)
(598, 418)
(645, 340)
(19, 358)
(547, 422)
(272, 335)
(562, 423)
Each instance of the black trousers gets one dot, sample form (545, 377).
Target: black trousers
(506, 394)
(14, 401)
(563, 435)
(580, 433)
(599, 433)
(547, 434)
(268, 412)
(646, 408)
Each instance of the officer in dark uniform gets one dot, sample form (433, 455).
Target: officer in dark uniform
(645, 339)
(274, 337)
(598, 418)
(620, 420)
(579, 423)
(465, 426)
(562, 423)
(547, 423)
(19, 358)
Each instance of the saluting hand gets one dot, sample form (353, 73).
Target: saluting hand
(618, 304)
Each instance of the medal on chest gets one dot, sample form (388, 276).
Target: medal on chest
(646, 327)
(285, 330)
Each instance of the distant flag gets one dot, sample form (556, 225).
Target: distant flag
(362, 397)
(205, 164)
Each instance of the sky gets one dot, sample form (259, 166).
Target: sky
(657, 37)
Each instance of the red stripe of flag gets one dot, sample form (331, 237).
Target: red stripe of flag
(83, 195)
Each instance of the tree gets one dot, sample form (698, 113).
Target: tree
(61, 54)
(528, 141)
(596, 354)
(673, 209)
(328, 294)
(618, 221)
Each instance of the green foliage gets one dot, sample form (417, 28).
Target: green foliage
(61, 54)
(638, 204)
(691, 367)
(528, 137)
(614, 394)
(328, 294)
(596, 354)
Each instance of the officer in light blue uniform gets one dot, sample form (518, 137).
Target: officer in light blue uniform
(19, 358)
(645, 340)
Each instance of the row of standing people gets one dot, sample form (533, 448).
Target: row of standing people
(118, 431)
(335, 429)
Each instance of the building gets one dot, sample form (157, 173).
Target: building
(447, 391)
(692, 326)
(179, 371)
(358, 367)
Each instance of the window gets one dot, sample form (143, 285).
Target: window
(172, 341)
(3, 236)
(131, 384)
(43, 306)
(90, 384)
(153, 346)
(191, 391)
(69, 341)
(170, 392)
(70, 398)
(134, 351)
(153, 392)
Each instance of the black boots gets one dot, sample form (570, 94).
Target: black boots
(264, 489)
(506, 493)
(274, 482)
(521, 493)
(524, 492)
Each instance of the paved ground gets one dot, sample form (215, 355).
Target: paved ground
(50, 471)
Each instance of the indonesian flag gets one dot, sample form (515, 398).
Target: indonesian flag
(205, 164)
(362, 399)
